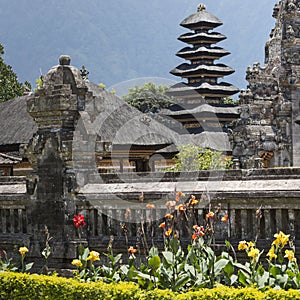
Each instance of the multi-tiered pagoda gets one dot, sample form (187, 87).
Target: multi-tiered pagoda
(201, 105)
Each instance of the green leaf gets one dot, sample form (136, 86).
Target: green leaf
(28, 266)
(154, 263)
(153, 251)
(263, 280)
(243, 278)
(219, 266)
(229, 269)
(85, 254)
(174, 243)
(169, 257)
(274, 270)
(190, 269)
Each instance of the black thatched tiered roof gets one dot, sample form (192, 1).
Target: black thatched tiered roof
(202, 75)
(202, 68)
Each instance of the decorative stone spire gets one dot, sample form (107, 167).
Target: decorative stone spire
(64, 60)
(55, 107)
(201, 7)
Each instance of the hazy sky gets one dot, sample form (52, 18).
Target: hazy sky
(122, 40)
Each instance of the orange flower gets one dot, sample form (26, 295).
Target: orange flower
(225, 218)
(150, 206)
(162, 225)
(201, 233)
(132, 250)
(198, 228)
(194, 236)
(176, 236)
(168, 232)
(180, 207)
(170, 204)
(179, 195)
(169, 216)
(194, 201)
(210, 215)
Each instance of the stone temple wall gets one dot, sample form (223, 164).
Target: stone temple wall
(267, 131)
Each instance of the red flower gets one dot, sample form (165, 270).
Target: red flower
(78, 220)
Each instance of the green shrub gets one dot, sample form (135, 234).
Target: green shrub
(19, 286)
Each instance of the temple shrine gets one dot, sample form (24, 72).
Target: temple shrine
(200, 104)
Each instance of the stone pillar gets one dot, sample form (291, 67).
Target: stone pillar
(55, 108)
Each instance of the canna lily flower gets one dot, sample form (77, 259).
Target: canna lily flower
(169, 216)
(290, 255)
(250, 244)
(150, 206)
(272, 254)
(162, 225)
(180, 207)
(242, 245)
(254, 252)
(132, 250)
(168, 233)
(199, 231)
(179, 195)
(281, 240)
(210, 215)
(193, 200)
(78, 220)
(94, 255)
(225, 218)
(23, 250)
(170, 203)
(77, 263)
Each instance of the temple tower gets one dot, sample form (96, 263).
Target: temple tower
(267, 130)
(202, 95)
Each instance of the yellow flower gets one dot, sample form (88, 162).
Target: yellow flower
(77, 263)
(194, 202)
(242, 245)
(272, 254)
(250, 244)
(23, 250)
(281, 239)
(289, 254)
(168, 232)
(254, 252)
(94, 255)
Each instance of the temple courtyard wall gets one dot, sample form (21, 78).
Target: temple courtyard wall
(259, 203)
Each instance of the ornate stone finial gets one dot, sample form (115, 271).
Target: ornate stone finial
(201, 7)
(64, 60)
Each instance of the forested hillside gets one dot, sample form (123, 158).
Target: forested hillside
(124, 39)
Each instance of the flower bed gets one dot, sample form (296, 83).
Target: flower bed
(15, 286)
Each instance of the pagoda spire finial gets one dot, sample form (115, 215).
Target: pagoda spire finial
(201, 7)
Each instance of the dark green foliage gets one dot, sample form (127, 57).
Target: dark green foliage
(10, 87)
(149, 97)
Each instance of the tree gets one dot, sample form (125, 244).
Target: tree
(149, 97)
(194, 158)
(10, 87)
